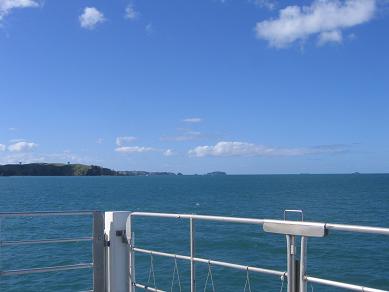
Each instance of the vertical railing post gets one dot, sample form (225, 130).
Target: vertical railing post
(291, 262)
(303, 264)
(192, 255)
(98, 251)
(117, 252)
(131, 255)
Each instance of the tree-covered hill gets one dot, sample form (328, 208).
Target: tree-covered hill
(53, 169)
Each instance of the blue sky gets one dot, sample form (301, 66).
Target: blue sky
(248, 86)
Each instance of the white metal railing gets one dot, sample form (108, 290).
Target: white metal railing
(114, 250)
(97, 240)
(296, 273)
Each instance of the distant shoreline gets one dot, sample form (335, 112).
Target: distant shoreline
(62, 169)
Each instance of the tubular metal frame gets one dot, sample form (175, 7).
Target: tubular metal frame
(97, 240)
(297, 278)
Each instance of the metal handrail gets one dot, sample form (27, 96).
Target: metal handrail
(98, 245)
(43, 241)
(46, 213)
(328, 226)
(289, 228)
(46, 269)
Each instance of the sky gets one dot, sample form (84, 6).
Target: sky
(246, 87)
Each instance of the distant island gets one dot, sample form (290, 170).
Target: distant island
(215, 173)
(62, 169)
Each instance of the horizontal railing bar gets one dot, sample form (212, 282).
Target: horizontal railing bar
(327, 226)
(357, 228)
(43, 241)
(137, 285)
(212, 262)
(163, 254)
(46, 269)
(201, 217)
(46, 213)
(342, 285)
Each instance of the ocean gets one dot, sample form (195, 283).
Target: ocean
(349, 199)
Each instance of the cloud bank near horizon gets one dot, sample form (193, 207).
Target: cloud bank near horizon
(235, 148)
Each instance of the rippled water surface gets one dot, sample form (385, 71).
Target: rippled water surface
(353, 199)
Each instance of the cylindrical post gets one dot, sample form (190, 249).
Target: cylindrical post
(291, 265)
(192, 255)
(131, 256)
(303, 264)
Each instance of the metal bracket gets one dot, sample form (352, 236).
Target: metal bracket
(122, 234)
(309, 229)
(294, 211)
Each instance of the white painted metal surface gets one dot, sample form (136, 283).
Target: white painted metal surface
(114, 262)
(117, 252)
(296, 271)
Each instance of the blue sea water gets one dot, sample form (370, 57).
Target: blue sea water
(352, 199)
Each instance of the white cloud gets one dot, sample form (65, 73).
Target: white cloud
(269, 4)
(192, 120)
(168, 152)
(12, 141)
(330, 36)
(322, 16)
(91, 17)
(120, 141)
(2, 147)
(131, 13)
(30, 157)
(22, 146)
(99, 140)
(187, 136)
(7, 5)
(248, 149)
(135, 149)
(149, 28)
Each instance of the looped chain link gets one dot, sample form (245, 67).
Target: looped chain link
(282, 281)
(151, 272)
(247, 284)
(209, 276)
(175, 271)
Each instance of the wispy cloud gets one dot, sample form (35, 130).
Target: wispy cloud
(135, 149)
(149, 28)
(91, 17)
(6, 6)
(185, 136)
(12, 141)
(330, 37)
(168, 152)
(2, 147)
(325, 18)
(143, 149)
(192, 120)
(226, 148)
(131, 13)
(268, 4)
(123, 140)
(30, 157)
(99, 140)
(22, 146)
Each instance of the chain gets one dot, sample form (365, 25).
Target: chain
(209, 276)
(151, 271)
(247, 284)
(175, 271)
